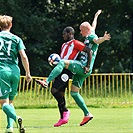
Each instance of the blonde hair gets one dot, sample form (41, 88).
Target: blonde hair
(5, 22)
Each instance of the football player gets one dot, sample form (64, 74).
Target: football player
(10, 46)
(81, 68)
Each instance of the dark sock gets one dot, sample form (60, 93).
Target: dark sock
(61, 103)
(65, 108)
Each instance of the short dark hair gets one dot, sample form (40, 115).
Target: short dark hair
(69, 29)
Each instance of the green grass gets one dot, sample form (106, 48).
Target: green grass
(106, 120)
(31, 100)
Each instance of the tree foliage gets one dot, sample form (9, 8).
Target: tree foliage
(40, 24)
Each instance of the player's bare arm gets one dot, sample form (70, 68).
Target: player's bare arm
(94, 23)
(99, 40)
(25, 63)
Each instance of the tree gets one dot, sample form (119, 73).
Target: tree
(40, 24)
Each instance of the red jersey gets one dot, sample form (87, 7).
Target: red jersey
(71, 49)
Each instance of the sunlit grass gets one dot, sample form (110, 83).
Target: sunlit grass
(46, 100)
(106, 120)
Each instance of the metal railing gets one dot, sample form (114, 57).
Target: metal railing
(97, 89)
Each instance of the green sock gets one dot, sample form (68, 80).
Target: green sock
(10, 121)
(56, 71)
(9, 111)
(80, 102)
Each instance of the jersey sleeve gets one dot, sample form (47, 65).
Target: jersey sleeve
(92, 36)
(79, 45)
(21, 45)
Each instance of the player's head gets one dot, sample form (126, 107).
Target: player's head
(5, 22)
(85, 29)
(68, 33)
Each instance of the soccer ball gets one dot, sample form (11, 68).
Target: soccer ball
(54, 59)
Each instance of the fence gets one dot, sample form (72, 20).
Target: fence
(112, 89)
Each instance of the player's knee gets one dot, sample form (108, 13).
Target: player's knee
(61, 63)
(73, 94)
(53, 90)
(64, 63)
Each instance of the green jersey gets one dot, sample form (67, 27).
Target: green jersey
(93, 46)
(10, 45)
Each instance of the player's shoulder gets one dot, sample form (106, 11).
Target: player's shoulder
(92, 36)
(9, 35)
(16, 38)
(93, 33)
(77, 41)
(14, 35)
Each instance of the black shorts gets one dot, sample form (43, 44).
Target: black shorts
(61, 81)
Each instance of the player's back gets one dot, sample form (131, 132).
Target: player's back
(8, 49)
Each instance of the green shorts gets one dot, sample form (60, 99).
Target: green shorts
(9, 81)
(77, 69)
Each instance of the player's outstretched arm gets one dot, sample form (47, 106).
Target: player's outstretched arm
(99, 40)
(94, 23)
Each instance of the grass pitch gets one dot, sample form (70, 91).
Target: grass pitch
(106, 120)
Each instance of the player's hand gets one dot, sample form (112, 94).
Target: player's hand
(107, 36)
(98, 13)
(86, 70)
(28, 78)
